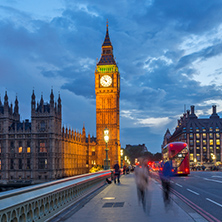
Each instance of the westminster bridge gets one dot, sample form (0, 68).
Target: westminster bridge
(90, 197)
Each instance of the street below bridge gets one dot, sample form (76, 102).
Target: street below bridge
(119, 202)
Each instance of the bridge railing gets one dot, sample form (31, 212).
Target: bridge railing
(42, 202)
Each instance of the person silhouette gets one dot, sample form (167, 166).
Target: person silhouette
(165, 176)
(117, 172)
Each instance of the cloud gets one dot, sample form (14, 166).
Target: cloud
(155, 122)
(204, 54)
(168, 54)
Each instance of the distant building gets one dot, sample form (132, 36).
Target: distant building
(128, 146)
(166, 138)
(203, 136)
(41, 150)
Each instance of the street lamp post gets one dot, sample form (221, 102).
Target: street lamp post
(214, 158)
(195, 161)
(121, 153)
(106, 139)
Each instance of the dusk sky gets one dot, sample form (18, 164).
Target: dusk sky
(169, 55)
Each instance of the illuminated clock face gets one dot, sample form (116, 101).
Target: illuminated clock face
(105, 80)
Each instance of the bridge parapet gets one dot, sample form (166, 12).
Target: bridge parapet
(44, 201)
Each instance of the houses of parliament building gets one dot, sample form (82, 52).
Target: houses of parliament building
(42, 150)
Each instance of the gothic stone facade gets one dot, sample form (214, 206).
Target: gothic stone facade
(203, 136)
(41, 150)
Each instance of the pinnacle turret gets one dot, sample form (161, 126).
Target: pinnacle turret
(107, 51)
(33, 101)
(107, 41)
(52, 97)
(16, 108)
(6, 98)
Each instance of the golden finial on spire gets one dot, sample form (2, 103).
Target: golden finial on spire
(107, 23)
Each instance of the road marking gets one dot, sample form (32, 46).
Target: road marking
(213, 180)
(193, 192)
(179, 185)
(214, 202)
(217, 176)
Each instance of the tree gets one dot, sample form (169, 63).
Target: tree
(135, 152)
(157, 156)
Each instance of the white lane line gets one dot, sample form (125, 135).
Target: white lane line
(193, 192)
(179, 185)
(213, 180)
(214, 202)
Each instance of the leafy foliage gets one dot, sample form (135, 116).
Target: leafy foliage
(96, 169)
(136, 152)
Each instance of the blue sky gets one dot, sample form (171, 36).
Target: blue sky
(169, 54)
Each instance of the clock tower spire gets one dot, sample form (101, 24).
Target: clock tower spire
(107, 51)
(107, 89)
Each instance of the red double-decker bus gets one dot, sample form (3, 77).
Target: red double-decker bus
(178, 152)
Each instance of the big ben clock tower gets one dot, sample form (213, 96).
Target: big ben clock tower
(107, 89)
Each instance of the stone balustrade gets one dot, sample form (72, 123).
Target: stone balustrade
(43, 201)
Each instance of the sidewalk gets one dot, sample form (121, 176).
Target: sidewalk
(125, 208)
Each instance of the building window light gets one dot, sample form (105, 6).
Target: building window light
(28, 149)
(20, 149)
(211, 142)
(43, 148)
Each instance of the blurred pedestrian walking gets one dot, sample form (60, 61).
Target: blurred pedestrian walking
(124, 169)
(165, 175)
(142, 179)
(117, 172)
